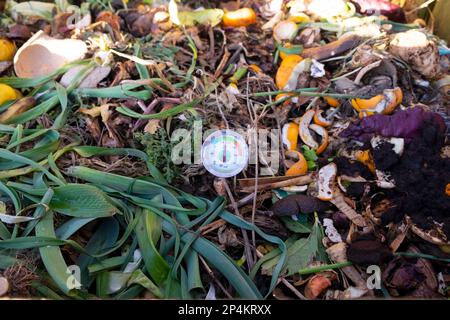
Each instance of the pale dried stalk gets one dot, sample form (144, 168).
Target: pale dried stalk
(339, 202)
(291, 182)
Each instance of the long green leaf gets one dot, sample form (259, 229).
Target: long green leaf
(51, 256)
(82, 201)
(148, 231)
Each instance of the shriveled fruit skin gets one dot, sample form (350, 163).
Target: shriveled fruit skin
(294, 204)
(368, 252)
(316, 286)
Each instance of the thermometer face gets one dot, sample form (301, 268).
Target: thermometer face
(224, 153)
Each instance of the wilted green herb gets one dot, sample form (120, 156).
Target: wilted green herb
(159, 148)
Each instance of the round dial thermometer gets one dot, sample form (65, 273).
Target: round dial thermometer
(224, 153)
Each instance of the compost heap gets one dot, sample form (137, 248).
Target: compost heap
(355, 178)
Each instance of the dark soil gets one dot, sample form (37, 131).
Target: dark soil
(420, 176)
(352, 168)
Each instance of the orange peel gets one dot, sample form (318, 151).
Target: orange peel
(320, 120)
(239, 18)
(366, 104)
(321, 131)
(283, 96)
(332, 102)
(298, 168)
(366, 159)
(285, 70)
(447, 189)
(304, 132)
(382, 104)
(284, 55)
(290, 135)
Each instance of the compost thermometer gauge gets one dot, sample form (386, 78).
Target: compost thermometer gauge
(224, 153)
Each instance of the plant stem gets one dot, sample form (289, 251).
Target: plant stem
(306, 92)
(421, 255)
(324, 268)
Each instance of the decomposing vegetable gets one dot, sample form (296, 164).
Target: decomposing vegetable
(50, 52)
(329, 10)
(285, 30)
(239, 18)
(420, 53)
(89, 81)
(298, 203)
(430, 236)
(7, 50)
(403, 275)
(318, 284)
(402, 124)
(31, 11)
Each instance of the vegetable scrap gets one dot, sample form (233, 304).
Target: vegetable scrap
(256, 149)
